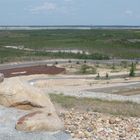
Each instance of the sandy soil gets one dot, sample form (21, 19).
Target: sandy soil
(81, 85)
(85, 86)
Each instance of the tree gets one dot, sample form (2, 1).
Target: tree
(132, 70)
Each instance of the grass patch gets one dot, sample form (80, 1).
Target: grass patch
(101, 43)
(128, 109)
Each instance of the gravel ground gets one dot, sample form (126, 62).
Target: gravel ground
(8, 118)
(97, 126)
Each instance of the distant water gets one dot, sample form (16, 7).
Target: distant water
(65, 27)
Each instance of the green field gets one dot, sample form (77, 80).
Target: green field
(106, 43)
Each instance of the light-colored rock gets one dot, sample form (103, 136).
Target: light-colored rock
(1, 77)
(14, 93)
(8, 119)
(39, 121)
(112, 120)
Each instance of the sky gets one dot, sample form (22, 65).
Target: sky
(69, 12)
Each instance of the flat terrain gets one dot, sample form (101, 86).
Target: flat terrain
(102, 43)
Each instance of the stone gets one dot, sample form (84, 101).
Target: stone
(1, 77)
(14, 93)
(129, 129)
(89, 129)
(8, 119)
(101, 126)
(39, 121)
(112, 121)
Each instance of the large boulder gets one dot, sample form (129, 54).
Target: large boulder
(16, 93)
(1, 77)
(39, 121)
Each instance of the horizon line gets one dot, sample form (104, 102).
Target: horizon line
(76, 25)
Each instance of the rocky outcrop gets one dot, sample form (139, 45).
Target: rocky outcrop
(1, 77)
(13, 91)
(17, 93)
(39, 121)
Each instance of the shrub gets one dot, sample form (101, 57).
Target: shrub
(98, 76)
(94, 70)
(107, 76)
(83, 69)
(132, 70)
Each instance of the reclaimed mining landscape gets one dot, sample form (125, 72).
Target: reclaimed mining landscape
(70, 83)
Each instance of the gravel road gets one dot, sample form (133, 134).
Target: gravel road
(104, 92)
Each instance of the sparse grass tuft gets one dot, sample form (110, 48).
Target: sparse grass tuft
(87, 104)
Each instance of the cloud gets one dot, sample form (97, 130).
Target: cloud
(129, 12)
(46, 6)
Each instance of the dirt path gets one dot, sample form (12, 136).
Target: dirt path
(84, 87)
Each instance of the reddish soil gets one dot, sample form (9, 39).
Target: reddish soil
(30, 115)
(32, 70)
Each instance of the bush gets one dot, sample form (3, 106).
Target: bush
(83, 69)
(98, 76)
(69, 61)
(107, 76)
(124, 64)
(132, 70)
(77, 62)
(94, 70)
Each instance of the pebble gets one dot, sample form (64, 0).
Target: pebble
(98, 126)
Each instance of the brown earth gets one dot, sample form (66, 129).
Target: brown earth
(32, 70)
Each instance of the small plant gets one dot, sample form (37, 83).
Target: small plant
(124, 64)
(94, 70)
(77, 62)
(97, 65)
(107, 75)
(98, 76)
(113, 66)
(69, 61)
(85, 61)
(83, 69)
(56, 62)
(132, 70)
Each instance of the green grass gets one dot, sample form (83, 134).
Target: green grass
(112, 43)
(96, 105)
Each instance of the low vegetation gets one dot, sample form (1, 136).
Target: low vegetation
(85, 69)
(96, 105)
(132, 70)
(102, 44)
